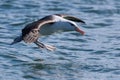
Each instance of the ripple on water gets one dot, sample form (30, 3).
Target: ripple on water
(93, 56)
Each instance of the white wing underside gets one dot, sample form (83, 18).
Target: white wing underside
(56, 27)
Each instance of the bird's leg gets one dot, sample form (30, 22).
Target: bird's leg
(49, 47)
(41, 45)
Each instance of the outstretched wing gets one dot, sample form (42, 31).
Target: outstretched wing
(32, 36)
(72, 18)
(31, 32)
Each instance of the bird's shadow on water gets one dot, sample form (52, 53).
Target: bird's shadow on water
(42, 63)
(38, 69)
(34, 69)
(50, 67)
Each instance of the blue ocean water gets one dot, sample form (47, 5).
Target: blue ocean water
(94, 56)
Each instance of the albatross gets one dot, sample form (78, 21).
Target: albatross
(48, 25)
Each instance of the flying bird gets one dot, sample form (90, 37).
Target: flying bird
(48, 25)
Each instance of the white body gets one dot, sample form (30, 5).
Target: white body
(59, 25)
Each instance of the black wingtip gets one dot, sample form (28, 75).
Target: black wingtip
(82, 21)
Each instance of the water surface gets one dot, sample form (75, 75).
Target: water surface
(94, 56)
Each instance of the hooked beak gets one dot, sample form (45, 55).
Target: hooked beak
(80, 31)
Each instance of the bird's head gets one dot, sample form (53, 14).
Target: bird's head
(76, 28)
(79, 30)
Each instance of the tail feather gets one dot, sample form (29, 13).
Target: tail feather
(16, 40)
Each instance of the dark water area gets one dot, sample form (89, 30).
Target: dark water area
(94, 56)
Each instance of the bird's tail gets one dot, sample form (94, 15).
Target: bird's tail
(16, 40)
(48, 47)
